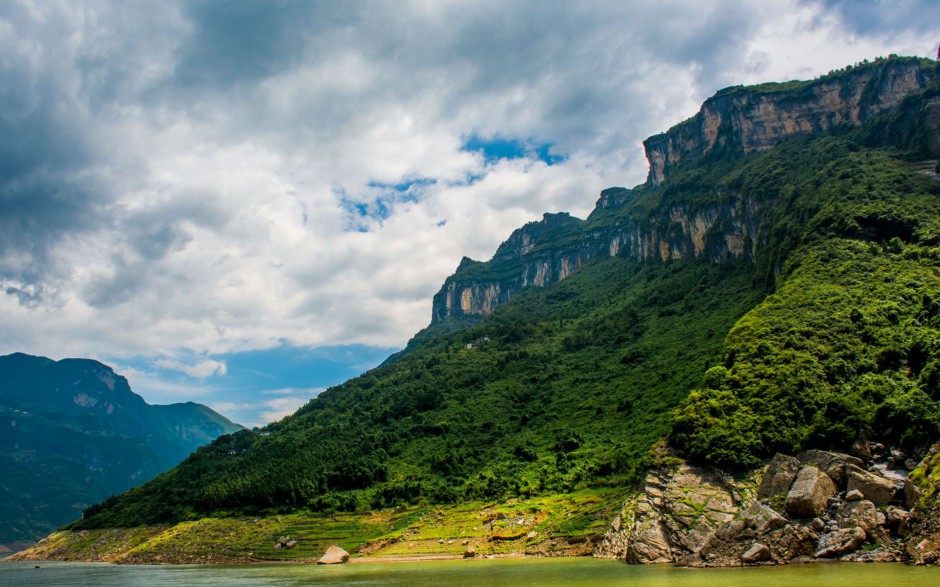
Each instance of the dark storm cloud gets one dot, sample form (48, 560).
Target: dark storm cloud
(234, 42)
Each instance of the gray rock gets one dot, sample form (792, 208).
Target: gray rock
(334, 555)
(854, 495)
(649, 546)
(831, 463)
(731, 530)
(817, 524)
(762, 518)
(862, 514)
(469, 552)
(779, 475)
(839, 542)
(875, 488)
(810, 493)
(756, 553)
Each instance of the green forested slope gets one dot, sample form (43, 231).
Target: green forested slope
(828, 335)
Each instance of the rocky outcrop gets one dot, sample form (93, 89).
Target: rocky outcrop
(548, 251)
(791, 511)
(744, 120)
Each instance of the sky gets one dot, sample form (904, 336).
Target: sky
(241, 203)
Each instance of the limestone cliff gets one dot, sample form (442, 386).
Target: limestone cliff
(548, 251)
(745, 120)
(655, 222)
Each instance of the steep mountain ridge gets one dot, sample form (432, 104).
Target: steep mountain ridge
(72, 433)
(726, 225)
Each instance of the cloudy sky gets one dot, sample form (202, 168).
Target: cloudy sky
(243, 202)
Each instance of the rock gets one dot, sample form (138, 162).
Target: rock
(831, 463)
(290, 544)
(912, 494)
(334, 555)
(817, 525)
(839, 542)
(531, 535)
(779, 475)
(649, 546)
(756, 553)
(896, 517)
(880, 555)
(440, 541)
(861, 514)
(810, 493)
(854, 495)
(910, 464)
(861, 450)
(762, 518)
(925, 552)
(875, 488)
(469, 552)
(731, 530)
(464, 542)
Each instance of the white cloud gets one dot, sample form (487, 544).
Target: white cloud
(182, 193)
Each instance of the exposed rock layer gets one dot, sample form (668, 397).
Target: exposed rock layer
(694, 517)
(755, 119)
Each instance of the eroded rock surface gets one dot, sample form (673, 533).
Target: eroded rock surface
(695, 517)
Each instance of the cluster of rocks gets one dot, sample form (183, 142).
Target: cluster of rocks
(816, 505)
(285, 542)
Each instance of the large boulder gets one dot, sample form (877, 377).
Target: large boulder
(875, 488)
(839, 542)
(810, 493)
(779, 475)
(755, 554)
(334, 555)
(762, 518)
(831, 463)
(862, 514)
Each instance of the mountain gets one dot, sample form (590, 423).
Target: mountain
(774, 286)
(72, 433)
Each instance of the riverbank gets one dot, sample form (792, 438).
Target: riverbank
(558, 525)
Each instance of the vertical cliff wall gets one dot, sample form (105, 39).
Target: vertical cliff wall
(744, 120)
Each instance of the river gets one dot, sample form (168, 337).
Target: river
(570, 572)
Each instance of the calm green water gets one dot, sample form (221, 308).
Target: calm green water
(568, 572)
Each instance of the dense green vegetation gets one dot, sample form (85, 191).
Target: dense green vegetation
(564, 387)
(828, 335)
(846, 347)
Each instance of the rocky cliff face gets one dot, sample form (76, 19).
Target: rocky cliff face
(817, 505)
(548, 251)
(745, 120)
(737, 121)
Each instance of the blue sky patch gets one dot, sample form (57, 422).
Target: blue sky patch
(254, 387)
(496, 148)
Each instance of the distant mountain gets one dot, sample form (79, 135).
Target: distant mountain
(72, 433)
